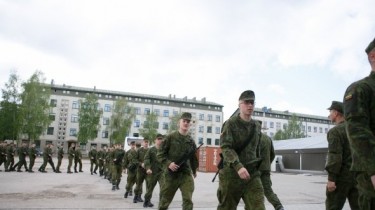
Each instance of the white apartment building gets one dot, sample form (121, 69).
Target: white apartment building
(273, 120)
(206, 121)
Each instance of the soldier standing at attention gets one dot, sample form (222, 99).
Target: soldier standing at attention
(77, 159)
(119, 154)
(341, 181)
(60, 156)
(131, 163)
(267, 153)
(178, 176)
(240, 142)
(92, 155)
(359, 110)
(71, 157)
(101, 158)
(32, 156)
(153, 170)
(141, 172)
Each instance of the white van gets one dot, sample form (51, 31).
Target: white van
(129, 139)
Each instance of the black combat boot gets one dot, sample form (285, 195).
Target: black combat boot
(113, 187)
(126, 194)
(131, 193)
(139, 198)
(135, 200)
(149, 204)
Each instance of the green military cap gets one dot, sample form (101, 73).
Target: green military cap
(247, 95)
(370, 47)
(159, 136)
(186, 116)
(338, 106)
(132, 143)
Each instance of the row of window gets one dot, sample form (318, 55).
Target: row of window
(208, 141)
(303, 128)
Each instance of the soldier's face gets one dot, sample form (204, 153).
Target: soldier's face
(184, 124)
(246, 107)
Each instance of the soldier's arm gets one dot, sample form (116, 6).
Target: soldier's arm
(334, 159)
(162, 154)
(227, 147)
(147, 160)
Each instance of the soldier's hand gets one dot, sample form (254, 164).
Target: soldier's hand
(173, 166)
(149, 171)
(373, 180)
(243, 173)
(143, 165)
(331, 186)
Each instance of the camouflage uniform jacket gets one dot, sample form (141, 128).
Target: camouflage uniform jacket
(71, 152)
(78, 154)
(22, 152)
(267, 153)
(235, 133)
(141, 152)
(10, 151)
(32, 152)
(173, 148)
(118, 156)
(359, 108)
(131, 158)
(151, 162)
(60, 153)
(101, 155)
(92, 154)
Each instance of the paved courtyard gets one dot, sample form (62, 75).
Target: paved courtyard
(85, 191)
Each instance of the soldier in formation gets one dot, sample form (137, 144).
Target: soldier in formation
(60, 156)
(131, 164)
(93, 160)
(141, 172)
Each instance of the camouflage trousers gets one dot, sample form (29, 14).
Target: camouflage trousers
(366, 191)
(232, 189)
(141, 176)
(344, 190)
(31, 163)
(182, 181)
(59, 160)
(130, 181)
(70, 164)
(268, 192)
(93, 165)
(151, 181)
(116, 174)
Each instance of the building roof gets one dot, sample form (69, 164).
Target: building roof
(315, 142)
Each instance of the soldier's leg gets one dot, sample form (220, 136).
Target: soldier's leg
(52, 164)
(353, 197)
(337, 198)
(168, 191)
(268, 192)
(31, 164)
(150, 185)
(80, 165)
(366, 191)
(59, 160)
(187, 189)
(96, 166)
(75, 165)
(230, 189)
(253, 196)
(114, 177)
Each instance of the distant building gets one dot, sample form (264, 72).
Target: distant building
(206, 122)
(273, 120)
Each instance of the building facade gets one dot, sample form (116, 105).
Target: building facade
(206, 121)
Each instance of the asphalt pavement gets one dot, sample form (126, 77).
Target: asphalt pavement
(85, 191)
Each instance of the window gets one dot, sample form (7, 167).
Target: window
(137, 123)
(147, 111)
(50, 130)
(53, 103)
(217, 141)
(309, 128)
(208, 141)
(107, 107)
(271, 124)
(320, 130)
(209, 117)
(200, 140)
(74, 118)
(209, 129)
(75, 105)
(73, 132)
(165, 126)
(218, 118)
(278, 126)
(201, 116)
(175, 113)
(315, 129)
(326, 130)
(201, 129)
(157, 112)
(166, 113)
(217, 130)
(105, 134)
(137, 110)
(105, 120)
(52, 117)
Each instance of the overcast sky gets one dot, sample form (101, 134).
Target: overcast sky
(297, 55)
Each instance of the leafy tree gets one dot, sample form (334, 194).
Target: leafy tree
(149, 130)
(173, 124)
(35, 107)
(291, 131)
(120, 122)
(10, 110)
(88, 118)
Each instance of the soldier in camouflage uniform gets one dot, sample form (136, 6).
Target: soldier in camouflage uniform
(176, 175)
(359, 110)
(93, 164)
(101, 158)
(240, 177)
(341, 181)
(3, 153)
(141, 172)
(267, 154)
(10, 157)
(153, 170)
(109, 163)
(32, 156)
(118, 156)
(77, 159)
(60, 156)
(131, 164)
(71, 157)
(22, 153)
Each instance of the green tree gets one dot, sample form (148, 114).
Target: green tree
(173, 123)
(88, 118)
(291, 131)
(35, 107)
(149, 130)
(120, 122)
(10, 110)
